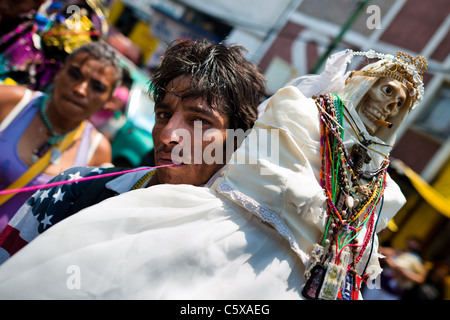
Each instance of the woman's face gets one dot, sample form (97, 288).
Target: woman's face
(82, 87)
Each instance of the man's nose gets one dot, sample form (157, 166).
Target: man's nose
(174, 131)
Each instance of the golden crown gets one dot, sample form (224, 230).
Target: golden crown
(404, 68)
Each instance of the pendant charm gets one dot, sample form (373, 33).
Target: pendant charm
(55, 156)
(358, 157)
(347, 287)
(34, 158)
(312, 287)
(316, 254)
(43, 149)
(332, 282)
(350, 288)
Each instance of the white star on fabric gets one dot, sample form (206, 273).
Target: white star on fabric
(44, 194)
(46, 221)
(59, 195)
(36, 195)
(74, 176)
(99, 170)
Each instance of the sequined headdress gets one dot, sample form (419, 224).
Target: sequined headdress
(403, 67)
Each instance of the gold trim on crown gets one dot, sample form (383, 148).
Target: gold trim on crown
(404, 68)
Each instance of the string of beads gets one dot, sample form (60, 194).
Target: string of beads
(351, 199)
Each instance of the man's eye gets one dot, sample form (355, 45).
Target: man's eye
(162, 115)
(203, 121)
(387, 89)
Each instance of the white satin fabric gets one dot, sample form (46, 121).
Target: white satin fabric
(163, 242)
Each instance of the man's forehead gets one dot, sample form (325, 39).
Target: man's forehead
(180, 90)
(180, 83)
(183, 88)
(194, 105)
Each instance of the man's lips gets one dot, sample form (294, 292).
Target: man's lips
(163, 161)
(166, 158)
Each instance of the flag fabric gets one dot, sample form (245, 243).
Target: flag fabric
(51, 205)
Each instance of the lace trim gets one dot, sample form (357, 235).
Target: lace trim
(265, 215)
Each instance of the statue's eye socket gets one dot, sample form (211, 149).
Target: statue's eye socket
(387, 89)
(399, 102)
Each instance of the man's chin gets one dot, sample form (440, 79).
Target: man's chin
(172, 175)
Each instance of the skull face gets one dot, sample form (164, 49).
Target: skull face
(382, 101)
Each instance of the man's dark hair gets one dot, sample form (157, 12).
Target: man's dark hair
(219, 73)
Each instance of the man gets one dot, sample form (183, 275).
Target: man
(211, 85)
(199, 85)
(303, 229)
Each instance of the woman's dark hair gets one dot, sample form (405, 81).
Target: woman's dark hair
(219, 73)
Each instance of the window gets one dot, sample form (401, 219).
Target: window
(436, 119)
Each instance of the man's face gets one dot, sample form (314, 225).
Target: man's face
(382, 101)
(187, 131)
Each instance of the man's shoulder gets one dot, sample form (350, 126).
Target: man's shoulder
(69, 194)
(69, 188)
(76, 173)
(71, 183)
(81, 176)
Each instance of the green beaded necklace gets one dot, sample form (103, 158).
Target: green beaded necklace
(53, 140)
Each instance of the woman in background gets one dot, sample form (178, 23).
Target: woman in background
(36, 126)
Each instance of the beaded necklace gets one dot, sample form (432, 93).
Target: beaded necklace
(351, 203)
(53, 140)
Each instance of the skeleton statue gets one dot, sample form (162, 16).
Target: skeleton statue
(373, 103)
